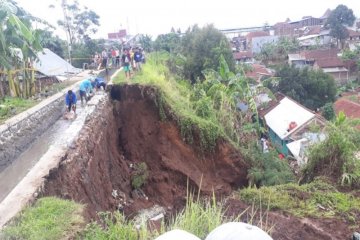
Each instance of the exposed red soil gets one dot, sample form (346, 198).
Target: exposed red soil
(129, 131)
(287, 227)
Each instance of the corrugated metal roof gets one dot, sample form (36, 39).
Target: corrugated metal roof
(50, 64)
(283, 114)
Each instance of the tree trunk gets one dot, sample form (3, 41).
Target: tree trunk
(2, 91)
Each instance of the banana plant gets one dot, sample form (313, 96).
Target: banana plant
(18, 49)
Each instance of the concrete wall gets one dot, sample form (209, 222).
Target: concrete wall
(17, 133)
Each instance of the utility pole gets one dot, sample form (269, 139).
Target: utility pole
(67, 30)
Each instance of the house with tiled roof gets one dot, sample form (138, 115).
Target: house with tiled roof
(250, 36)
(354, 36)
(258, 72)
(327, 60)
(243, 56)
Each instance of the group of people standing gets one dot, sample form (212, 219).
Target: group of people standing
(130, 59)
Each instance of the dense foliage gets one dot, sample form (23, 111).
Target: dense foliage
(197, 50)
(266, 168)
(18, 47)
(278, 51)
(339, 18)
(312, 88)
(337, 156)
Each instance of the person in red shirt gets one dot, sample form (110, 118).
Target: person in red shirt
(113, 56)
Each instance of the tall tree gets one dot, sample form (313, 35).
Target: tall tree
(339, 18)
(146, 42)
(78, 22)
(54, 43)
(202, 48)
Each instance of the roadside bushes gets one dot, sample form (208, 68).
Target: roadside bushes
(336, 157)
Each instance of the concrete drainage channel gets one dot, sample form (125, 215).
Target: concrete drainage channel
(34, 142)
(94, 161)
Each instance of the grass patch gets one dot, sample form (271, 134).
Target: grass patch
(316, 199)
(176, 95)
(10, 106)
(199, 217)
(49, 219)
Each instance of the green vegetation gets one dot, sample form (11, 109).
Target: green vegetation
(49, 219)
(140, 175)
(175, 95)
(336, 156)
(199, 49)
(266, 168)
(114, 226)
(328, 111)
(311, 88)
(12, 106)
(339, 18)
(316, 199)
(198, 217)
(18, 47)
(279, 50)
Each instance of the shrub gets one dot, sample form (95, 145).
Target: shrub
(140, 175)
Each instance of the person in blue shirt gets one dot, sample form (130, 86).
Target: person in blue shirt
(70, 100)
(85, 89)
(98, 83)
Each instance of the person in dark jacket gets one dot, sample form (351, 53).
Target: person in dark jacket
(138, 59)
(70, 100)
(98, 83)
(126, 63)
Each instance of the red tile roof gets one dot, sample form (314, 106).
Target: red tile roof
(251, 35)
(242, 55)
(351, 109)
(320, 54)
(330, 62)
(353, 33)
(314, 30)
(258, 71)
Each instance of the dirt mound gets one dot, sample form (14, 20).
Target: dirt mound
(287, 227)
(126, 132)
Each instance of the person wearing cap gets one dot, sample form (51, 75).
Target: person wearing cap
(70, 100)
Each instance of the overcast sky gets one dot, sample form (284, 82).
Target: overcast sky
(158, 16)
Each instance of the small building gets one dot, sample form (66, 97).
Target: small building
(258, 72)
(326, 59)
(119, 36)
(335, 67)
(250, 36)
(259, 42)
(354, 36)
(283, 120)
(316, 39)
(243, 56)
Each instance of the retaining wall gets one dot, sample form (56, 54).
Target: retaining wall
(17, 133)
